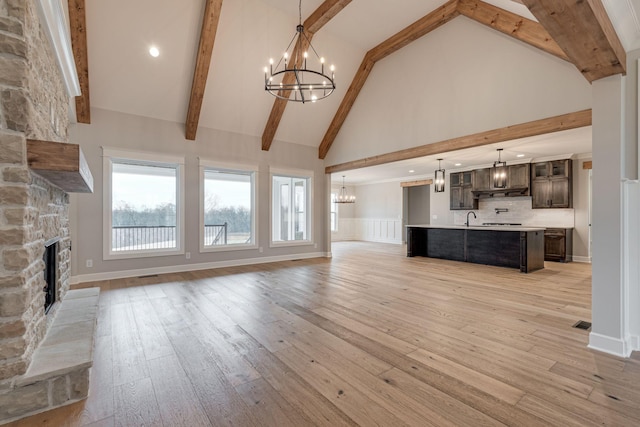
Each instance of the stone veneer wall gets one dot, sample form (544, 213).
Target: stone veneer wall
(34, 105)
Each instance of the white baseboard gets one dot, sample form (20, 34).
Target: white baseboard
(634, 342)
(606, 344)
(84, 278)
(584, 259)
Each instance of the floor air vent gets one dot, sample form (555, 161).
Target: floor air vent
(583, 325)
(146, 277)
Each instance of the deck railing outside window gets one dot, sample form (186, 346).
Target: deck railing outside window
(144, 237)
(215, 234)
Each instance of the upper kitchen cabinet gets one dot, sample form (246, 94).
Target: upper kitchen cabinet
(460, 191)
(517, 182)
(518, 177)
(482, 179)
(551, 184)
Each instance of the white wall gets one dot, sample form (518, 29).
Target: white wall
(581, 208)
(346, 216)
(379, 212)
(607, 333)
(439, 207)
(376, 215)
(460, 79)
(119, 130)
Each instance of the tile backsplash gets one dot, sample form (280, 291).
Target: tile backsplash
(519, 211)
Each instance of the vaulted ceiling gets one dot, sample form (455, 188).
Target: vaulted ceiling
(209, 72)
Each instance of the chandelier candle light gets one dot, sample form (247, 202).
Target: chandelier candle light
(343, 197)
(439, 179)
(499, 172)
(306, 84)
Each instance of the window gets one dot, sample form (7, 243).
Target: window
(334, 212)
(227, 208)
(143, 200)
(291, 208)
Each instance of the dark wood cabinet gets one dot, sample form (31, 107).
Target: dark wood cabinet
(551, 184)
(460, 191)
(517, 182)
(504, 248)
(482, 179)
(518, 177)
(552, 169)
(558, 244)
(494, 248)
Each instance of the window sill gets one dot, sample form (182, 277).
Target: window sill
(227, 248)
(291, 243)
(141, 254)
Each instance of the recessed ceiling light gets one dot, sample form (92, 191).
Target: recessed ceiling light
(458, 164)
(411, 171)
(153, 51)
(520, 155)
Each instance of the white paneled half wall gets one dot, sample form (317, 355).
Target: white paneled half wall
(385, 230)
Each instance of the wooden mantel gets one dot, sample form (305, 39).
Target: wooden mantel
(61, 164)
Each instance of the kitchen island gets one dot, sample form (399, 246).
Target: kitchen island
(503, 246)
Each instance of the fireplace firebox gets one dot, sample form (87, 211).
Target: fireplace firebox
(50, 259)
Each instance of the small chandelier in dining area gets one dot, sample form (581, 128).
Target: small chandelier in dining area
(343, 197)
(499, 172)
(294, 78)
(439, 179)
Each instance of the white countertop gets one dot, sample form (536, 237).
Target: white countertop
(481, 227)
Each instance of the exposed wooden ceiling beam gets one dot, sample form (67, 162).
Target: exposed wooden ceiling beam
(345, 106)
(416, 183)
(312, 24)
(511, 24)
(203, 60)
(523, 130)
(78, 29)
(423, 26)
(584, 31)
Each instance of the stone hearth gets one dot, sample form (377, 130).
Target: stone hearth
(59, 370)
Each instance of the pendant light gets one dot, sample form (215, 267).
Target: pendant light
(293, 75)
(343, 197)
(499, 172)
(439, 178)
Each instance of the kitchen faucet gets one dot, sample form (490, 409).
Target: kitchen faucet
(474, 216)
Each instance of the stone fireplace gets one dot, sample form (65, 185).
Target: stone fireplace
(50, 259)
(34, 104)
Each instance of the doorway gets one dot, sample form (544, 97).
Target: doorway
(415, 206)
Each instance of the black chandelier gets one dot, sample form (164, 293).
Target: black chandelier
(343, 197)
(306, 84)
(499, 172)
(439, 179)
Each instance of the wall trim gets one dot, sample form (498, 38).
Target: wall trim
(611, 345)
(111, 275)
(584, 259)
(53, 18)
(634, 342)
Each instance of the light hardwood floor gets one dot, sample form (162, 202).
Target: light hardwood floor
(369, 337)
